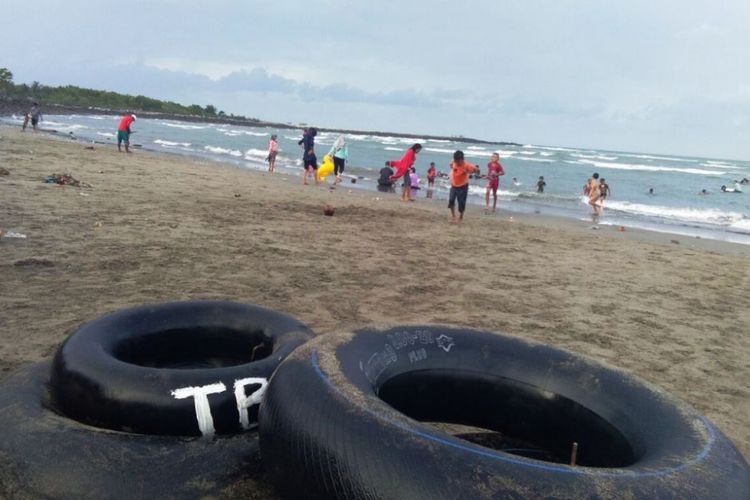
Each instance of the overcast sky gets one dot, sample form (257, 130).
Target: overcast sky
(662, 76)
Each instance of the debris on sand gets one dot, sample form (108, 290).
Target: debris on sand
(65, 180)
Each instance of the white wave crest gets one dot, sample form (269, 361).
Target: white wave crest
(538, 160)
(222, 151)
(164, 143)
(682, 214)
(650, 168)
(741, 226)
(594, 157)
(185, 126)
(659, 158)
(255, 153)
(105, 134)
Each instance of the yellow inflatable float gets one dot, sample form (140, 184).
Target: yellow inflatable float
(326, 168)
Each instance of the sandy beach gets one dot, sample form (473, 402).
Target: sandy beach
(158, 228)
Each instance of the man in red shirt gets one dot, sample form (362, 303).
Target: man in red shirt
(123, 132)
(459, 185)
(494, 171)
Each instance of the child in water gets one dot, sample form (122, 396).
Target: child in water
(494, 171)
(414, 180)
(273, 150)
(540, 184)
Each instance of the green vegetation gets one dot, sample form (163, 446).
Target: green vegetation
(70, 95)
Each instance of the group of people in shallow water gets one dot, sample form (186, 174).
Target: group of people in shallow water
(339, 153)
(596, 189)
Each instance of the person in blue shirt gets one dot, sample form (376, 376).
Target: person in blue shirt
(340, 154)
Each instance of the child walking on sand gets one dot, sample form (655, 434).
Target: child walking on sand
(460, 171)
(273, 150)
(494, 171)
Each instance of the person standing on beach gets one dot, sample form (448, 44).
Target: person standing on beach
(494, 171)
(123, 132)
(273, 150)
(340, 153)
(35, 115)
(460, 171)
(431, 174)
(309, 160)
(403, 167)
(594, 193)
(540, 184)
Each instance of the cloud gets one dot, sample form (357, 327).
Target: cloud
(260, 80)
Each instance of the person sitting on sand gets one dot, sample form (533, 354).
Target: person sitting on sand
(402, 169)
(273, 150)
(385, 184)
(494, 171)
(540, 184)
(460, 171)
(123, 132)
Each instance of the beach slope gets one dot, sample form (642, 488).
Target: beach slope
(158, 228)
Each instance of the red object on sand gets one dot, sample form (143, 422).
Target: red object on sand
(328, 210)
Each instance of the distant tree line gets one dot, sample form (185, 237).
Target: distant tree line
(70, 95)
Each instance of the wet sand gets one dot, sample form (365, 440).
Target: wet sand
(157, 228)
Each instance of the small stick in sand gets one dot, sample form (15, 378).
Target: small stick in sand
(574, 454)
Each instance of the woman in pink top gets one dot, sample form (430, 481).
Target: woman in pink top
(273, 150)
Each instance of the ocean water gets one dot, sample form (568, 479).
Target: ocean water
(676, 207)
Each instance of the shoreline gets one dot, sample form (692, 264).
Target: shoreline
(158, 227)
(19, 106)
(713, 239)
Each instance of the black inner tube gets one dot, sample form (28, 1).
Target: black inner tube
(523, 419)
(197, 347)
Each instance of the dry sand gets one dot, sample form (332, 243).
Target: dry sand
(159, 228)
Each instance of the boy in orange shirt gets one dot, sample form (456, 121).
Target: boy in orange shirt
(460, 171)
